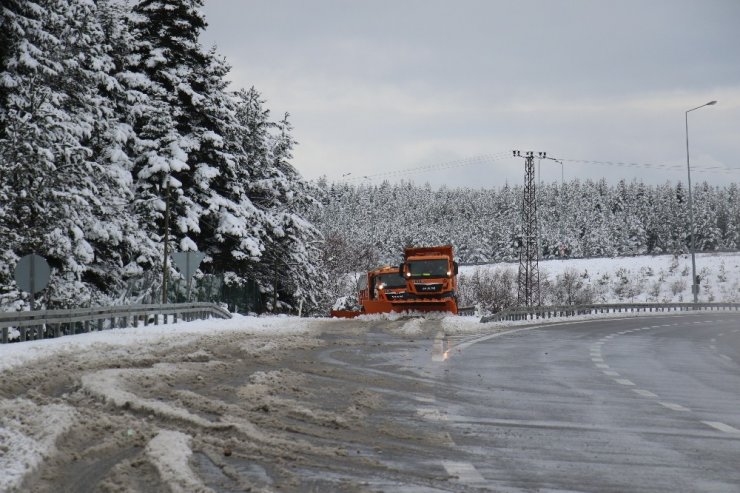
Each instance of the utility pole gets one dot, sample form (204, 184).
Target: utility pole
(562, 202)
(274, 286)
(529, 271)
(694, 277)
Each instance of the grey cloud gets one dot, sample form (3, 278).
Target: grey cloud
(390, 85)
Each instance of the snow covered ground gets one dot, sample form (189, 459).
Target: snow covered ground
(133, 369)
(29, 430)
(656, 279)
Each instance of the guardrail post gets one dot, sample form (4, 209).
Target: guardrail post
(40, 332)
(23, 333)
(174, 315)
(5, 335)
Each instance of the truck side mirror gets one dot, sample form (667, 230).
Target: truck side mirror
(400, 270)
(457, 267)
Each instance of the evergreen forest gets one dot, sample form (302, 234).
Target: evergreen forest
(578, 219)
(118, 129)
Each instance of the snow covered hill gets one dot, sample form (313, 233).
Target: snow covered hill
(647, 278)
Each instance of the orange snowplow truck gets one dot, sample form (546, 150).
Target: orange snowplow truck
(431, 280)
(376, 292)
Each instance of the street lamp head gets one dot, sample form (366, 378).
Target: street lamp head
(710, 103)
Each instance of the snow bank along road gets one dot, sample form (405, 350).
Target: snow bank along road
(638, 404)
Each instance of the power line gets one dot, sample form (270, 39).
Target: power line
(458, 163)
(678, 167)
(500, 156)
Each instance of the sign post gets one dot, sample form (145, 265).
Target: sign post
(32, 274)
(187, 263)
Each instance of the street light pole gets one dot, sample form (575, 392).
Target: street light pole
(694, 283)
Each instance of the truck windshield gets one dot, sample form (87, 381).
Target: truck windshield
(428, 268)
(391, 280)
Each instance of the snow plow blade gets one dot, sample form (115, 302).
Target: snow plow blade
(431, 305)
(345, 313)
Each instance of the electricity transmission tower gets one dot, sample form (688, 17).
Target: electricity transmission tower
(529, 271)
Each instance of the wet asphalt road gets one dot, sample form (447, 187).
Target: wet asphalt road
(648, 404)
(641, 404)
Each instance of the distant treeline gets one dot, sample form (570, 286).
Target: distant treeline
(577, 219)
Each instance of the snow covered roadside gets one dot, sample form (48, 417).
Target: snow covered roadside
(16, 354)
(29, 431)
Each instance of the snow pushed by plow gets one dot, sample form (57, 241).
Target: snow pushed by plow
(170, 452)
(246, 405)
(28, 435)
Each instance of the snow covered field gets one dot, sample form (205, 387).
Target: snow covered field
(655, 279)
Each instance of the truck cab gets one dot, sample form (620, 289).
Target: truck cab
(431, 278)
(389, 284)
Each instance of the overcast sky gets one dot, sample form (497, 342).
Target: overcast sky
(380, 86)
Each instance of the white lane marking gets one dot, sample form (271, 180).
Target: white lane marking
(644, 393)
(712, 347)
(431, 414)
(597, 360)
(712, 340)
(611, 373)
(623, 381)
(603, 366)
(720, 334)
(465, 471)
(447, 439)
(674, 407)
(725, 357)
(431, 399)
(721, 426)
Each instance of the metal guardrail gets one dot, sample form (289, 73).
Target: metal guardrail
(545, 312)
(55, 323)
(466, 310)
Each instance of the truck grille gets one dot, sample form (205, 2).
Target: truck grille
(428, 287)
(395, 296)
